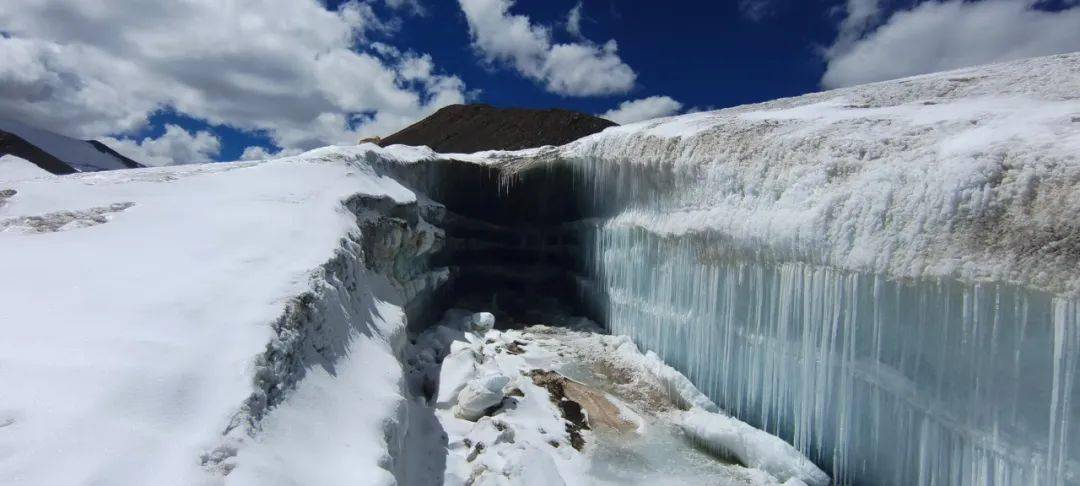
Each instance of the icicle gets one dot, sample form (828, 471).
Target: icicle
(880, 382)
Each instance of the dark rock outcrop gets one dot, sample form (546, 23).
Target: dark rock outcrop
(15, 145)
(56, 153)
(472, 128)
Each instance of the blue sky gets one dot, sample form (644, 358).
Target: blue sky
(220, 80)
(700, 53)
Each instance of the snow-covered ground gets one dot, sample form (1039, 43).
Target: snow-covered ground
(554, 405)
(13, 168)
(141, 308)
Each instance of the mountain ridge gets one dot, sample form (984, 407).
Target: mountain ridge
(478, 127)
(57, 153)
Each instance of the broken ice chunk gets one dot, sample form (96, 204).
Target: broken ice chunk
(457, 369)
(479, 395)
(481, 322)
(728, 436)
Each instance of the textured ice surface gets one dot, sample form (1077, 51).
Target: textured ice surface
(752, 447)
(970, 174)
(878, 380)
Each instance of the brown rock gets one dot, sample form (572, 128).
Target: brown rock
(472, 128)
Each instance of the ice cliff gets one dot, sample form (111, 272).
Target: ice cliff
(885, 275)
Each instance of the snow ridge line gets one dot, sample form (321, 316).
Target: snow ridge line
(969, 175)
(316, 326)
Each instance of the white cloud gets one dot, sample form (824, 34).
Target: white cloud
(756, 10)
(643, 109)
(586, 69)
(175, 146)
(286, 67)
(860, 16)
(937, 36)
(412, 5)
(257, 152)
(573, 21)
(573, 69)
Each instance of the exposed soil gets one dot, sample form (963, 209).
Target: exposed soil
(477, 127)
(571, 410)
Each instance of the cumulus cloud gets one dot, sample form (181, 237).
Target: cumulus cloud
(860, 16)
(572, 69)
(175, 146)
(289, 68)
(643, 109)
(936, 36)
(257, 152)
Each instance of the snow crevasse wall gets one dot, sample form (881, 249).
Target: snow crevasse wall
(379, 277)
(883, 275)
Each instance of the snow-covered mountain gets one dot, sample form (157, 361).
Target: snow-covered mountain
(59, 154)
(883, 276)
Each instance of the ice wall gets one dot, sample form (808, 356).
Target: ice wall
(879, 381)
(885, 275)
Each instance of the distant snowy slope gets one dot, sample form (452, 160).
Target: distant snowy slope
(141, 304)
(973, 173)
(85, 156)
(13, 168)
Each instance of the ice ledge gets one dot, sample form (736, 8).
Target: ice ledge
(970, 174)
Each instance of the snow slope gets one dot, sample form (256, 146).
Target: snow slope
(973, 174)
(143, 309)
(13, 168)
(79, 154)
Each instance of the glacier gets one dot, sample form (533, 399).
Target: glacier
(883, 276)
